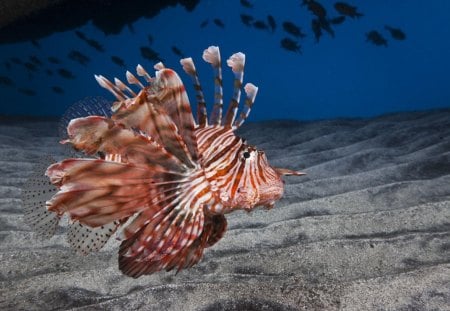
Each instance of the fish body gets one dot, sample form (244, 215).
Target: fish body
(161, 176)
(347, 10)
(396, 33)
(376, 38)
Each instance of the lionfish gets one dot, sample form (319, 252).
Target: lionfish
(165, 179)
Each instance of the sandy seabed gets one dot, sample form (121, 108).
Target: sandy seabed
(368, 228)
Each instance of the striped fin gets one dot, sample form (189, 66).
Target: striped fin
(189, 68)
(172, 97)
(133, 80)
(35, 192)
(218, 225)
(143, 73)
(154, 121)
(108, 85)
(212, 55)
(84, 239)
(159, 238)
(251, 91)
(88, 106)
(236, 62)
(213, 230)
(123, 87)
(98, 192)
(98, 134)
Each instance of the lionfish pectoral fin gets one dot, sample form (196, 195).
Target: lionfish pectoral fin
(36, 191)
(172, 233)
(97, 192)
(288, 172)
(218, 224)
(168, 239)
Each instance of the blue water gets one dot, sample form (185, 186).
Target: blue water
(345, 76)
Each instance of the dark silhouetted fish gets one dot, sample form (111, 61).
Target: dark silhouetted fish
(347, 10)
(219, 23)
(30, 66)
(78, 57)
(247, 19)
(317, 30)
(80, 35)
(246, 4)
(150, 39)
(26, 91)
(396, 33)
(35, 60)
(271, 22)
(325, 25)
(57, 89)
(95, 44)
(150, 54)
(376, 38)
(6, 81)
(293, 29)
(204, 23)
(16, 60)
(260, 24)
(66, 73)
(118, 61)
(53, 60)
(337, 20)
(35, 43)
(177, 51)
(290, 45)
(316, 8)
(49, 72)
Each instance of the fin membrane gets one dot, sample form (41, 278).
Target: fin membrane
(35, 193)
(85, 239)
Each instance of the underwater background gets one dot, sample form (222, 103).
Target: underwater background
(309, 62)
(365, 87)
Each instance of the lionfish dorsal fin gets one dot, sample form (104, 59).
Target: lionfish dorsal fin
(172, 98)
(189, 68)
(250, 91)
(108, 85)
(212, 55)
(237, 63)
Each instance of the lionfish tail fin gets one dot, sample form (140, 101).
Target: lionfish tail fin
(212, 55)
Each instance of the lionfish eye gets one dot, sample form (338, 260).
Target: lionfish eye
(246, 154)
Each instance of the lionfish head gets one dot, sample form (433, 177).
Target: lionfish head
(265, 184)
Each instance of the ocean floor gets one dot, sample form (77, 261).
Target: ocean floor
(368, 228)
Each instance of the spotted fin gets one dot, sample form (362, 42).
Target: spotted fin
(84, 239)
(35, 192)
